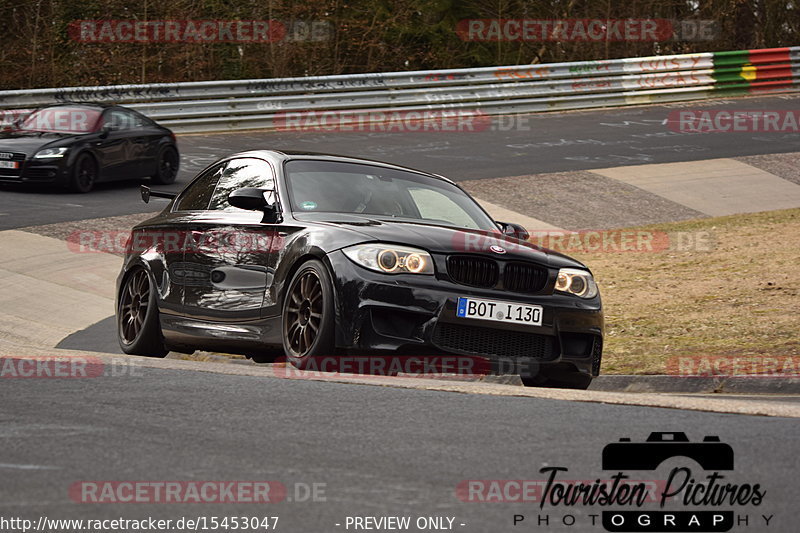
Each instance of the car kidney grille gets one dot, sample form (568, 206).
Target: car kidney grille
(471, 270)
(522, 277)
(492, 342)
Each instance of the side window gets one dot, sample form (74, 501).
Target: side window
(121, 119)
(146, 122)
(197, 196)
(239, 173)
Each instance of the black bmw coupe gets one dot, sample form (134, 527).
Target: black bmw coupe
(77, 145)
(309, 255)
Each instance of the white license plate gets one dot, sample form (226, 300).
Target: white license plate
(499, 311)
(9, 164)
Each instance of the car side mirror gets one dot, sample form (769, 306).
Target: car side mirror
(255, 199)
(106, 129)
(514, 230)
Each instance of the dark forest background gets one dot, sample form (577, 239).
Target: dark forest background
(365, 36)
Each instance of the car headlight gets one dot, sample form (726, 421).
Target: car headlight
(48, 153)
(390, 259)
(577, 282)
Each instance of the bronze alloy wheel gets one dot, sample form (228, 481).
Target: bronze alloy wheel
(305, 312)
(133, 306)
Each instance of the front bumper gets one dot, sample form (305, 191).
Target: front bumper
(417, 314)
(30, 170)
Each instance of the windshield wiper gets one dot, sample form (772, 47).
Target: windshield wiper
(436, 221)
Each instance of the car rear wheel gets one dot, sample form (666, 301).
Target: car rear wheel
(167, 169)
(308, 322)
(138, 329)
(84, 174)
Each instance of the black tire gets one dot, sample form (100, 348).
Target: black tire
(168, 163)
(138, 328)
(266, 355)
(563, 380)
(84, 174)
(308, 323)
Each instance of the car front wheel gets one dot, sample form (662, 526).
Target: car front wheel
(308, 322)
(84, 174)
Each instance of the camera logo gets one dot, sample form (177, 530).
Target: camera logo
(698, 498)
(710, 454)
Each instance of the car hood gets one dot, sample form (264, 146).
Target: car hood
(443, 239)
(28, 142)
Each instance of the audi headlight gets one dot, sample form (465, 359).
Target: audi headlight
(390, 259)
(48, 153)
(577, 282)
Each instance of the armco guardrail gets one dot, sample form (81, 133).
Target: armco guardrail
(266, 103)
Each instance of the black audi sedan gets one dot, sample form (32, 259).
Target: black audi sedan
(78, 145)
(309, 255)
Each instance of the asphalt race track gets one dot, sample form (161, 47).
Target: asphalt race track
(527, 144)
(377, 450)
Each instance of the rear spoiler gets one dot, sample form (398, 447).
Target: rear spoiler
(147, 193)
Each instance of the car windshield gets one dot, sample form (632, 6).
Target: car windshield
(62, 119)
(335, 187)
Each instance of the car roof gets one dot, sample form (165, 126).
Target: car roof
(287, 155)
(100, 106)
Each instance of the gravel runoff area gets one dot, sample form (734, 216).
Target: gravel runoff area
(67, 230)
(579, 200)
(786, 166)
(583, 199)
